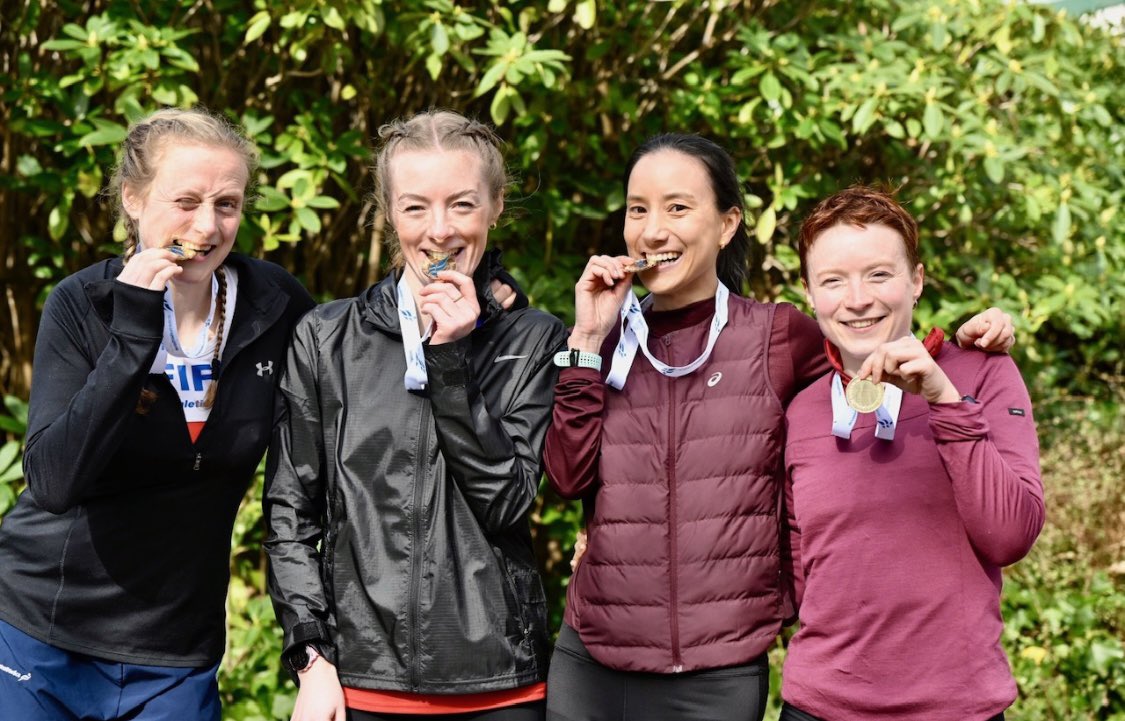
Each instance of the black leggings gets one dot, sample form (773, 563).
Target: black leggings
(531, 711)
(581, 689)
(792, 713)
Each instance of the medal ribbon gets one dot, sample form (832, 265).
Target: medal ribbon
(844, 416)
(415, 377)
(204, 345)
(634, 334)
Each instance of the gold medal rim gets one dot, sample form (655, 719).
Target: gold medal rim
(856, 383)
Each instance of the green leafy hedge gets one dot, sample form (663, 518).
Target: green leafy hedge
(1002, 122)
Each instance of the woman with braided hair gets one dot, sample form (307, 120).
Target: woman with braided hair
(404, 471)
(152, 403)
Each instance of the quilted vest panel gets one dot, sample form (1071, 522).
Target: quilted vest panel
(682, 571)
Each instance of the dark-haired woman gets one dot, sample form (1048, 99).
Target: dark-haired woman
(676, 444)
(152, 403)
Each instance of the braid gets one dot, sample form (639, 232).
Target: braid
(220, 318)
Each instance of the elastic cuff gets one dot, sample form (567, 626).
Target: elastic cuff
(137, 312)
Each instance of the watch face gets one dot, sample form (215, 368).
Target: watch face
(297, 659)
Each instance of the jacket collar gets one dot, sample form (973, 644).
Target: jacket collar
(260, 303)
(380, 301)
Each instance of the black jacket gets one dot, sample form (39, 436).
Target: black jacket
(120, 547)
(398, 530)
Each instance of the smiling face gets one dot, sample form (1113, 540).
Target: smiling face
(196, 196)
(862, 287)
(440, 203)
(672, 221)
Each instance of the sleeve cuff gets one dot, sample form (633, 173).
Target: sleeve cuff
(953, 422)
(137, 312)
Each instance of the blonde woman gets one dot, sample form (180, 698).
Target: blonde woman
(152, 403)
(401, 481)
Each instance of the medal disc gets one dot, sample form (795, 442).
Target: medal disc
(863, 395)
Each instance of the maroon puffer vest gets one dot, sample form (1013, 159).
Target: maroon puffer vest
(682, 571)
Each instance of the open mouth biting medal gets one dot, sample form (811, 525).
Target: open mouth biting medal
(438, 261)
(183, 252)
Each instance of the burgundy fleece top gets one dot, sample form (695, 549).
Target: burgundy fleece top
(898, 546)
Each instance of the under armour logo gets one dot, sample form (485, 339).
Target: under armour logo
(264, 370)
(714, 380)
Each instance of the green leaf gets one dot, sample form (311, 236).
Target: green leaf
(770, 87)
(586, 13)
(323, 202)
(62, 45)
(491, 77)
(933, 120)
(8, 454)
(994, 169)
(767, 223)
(257, 25)
(1061, 228)
(106, 134)
(556, 6)
(58, 220)
(433, 65)
(439, 39)
(333, 19)
(865, 116)
(500, 106)
(308, 219)
(271, 199)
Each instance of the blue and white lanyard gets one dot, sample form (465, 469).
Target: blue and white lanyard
(202, 347)
(415, 377)
(844, 416)
(634, 334)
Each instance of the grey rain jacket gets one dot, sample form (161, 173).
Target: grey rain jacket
(398, 533)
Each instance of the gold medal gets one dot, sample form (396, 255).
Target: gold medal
(863, 395)
(438, 261)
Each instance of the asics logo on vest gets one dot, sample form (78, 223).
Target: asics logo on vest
(714, 380)
(265, 370)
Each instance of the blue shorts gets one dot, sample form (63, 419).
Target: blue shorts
(39, 682)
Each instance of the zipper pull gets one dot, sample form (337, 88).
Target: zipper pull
(198, 458)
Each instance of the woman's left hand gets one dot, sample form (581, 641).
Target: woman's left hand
(451, 302)
(907, 364)
(504, 294)
(990, 331)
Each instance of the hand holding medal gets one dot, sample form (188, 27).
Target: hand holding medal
(907, 363)
(450, 300)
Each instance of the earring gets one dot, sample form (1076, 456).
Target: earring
(493, 226)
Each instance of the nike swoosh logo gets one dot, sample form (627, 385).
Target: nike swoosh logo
(508, 357)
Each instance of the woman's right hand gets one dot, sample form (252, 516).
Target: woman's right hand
(151, 268)
(320, 697)
(598, 296)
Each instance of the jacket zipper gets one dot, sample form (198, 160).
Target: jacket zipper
(418, 544)
(198, 458)
(673, 570)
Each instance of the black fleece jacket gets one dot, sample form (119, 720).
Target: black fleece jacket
(120, 546)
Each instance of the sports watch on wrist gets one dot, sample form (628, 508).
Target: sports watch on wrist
(574, 358)
(301, 657)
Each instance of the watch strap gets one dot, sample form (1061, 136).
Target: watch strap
(574, 358)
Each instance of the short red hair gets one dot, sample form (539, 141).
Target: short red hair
(859, 205)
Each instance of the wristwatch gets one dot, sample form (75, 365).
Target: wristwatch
(301, 657)
(574, 358)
